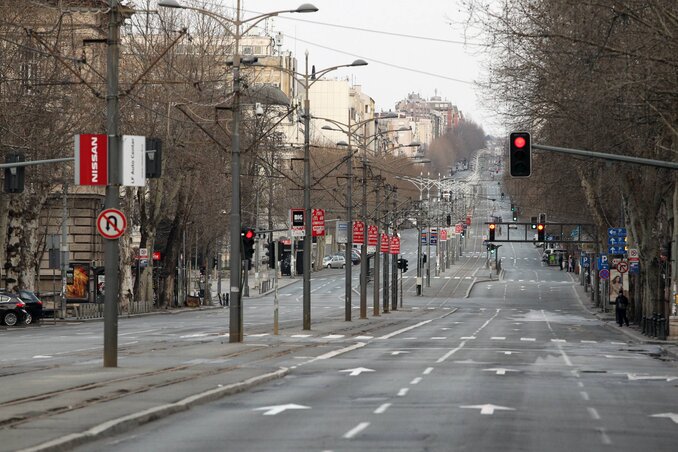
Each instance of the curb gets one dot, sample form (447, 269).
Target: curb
(125, 423)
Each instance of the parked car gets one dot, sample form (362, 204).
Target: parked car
(33, 305)
(12, 310)
(336, 262)
(355, 257)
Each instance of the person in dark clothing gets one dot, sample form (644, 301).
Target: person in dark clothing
(621, 303)
(560, 260)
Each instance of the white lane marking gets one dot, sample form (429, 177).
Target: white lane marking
(507, 352)
(363, 338)
(41, 356)
(428, 370)
(257, 335)
(604, 437)
(528, 339)
(382, 408)
(398, 352)
(333, 336)
(336, 352)
(593, 413)
(589, 342)
(411, 327)
(498, 338)
(277, 409)
(558, 340)
(584, 395)
(466, 338)
(618, 343)
(188, 336)
(672, 416)
(438, 338)
(415, 381)
(500, 371)
(403, 392)
(355, 430)
(301, 335)
(451, 352)
(139, 332)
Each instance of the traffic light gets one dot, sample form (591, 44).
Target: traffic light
(399, 263)
(270, 254)
(513, 207)
(534, 222)
(515, 216)
(520, 154)
(448, 220)
(493, 228)
(541, 232)
(153, 158)
(248, 235)
(404, 265)
(14, 177)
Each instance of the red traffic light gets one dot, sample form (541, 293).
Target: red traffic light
(519, 142)
(249, 234)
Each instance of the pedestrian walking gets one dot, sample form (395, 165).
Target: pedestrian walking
(570, 264)
(560, 261)
(621, 303)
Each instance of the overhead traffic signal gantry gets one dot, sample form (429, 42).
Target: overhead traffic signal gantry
(492, 229)
(520, 154)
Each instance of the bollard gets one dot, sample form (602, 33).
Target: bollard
(661, 328)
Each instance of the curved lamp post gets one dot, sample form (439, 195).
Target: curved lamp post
(242, 27)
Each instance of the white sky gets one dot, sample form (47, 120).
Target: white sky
(330, 46)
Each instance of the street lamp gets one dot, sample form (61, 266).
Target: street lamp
(235, 310)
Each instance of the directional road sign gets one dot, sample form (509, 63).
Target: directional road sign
(616, 250)
(616, 232)
(111, 224)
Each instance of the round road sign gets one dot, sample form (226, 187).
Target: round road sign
(111, 224)
(622, 267)
(604, 274)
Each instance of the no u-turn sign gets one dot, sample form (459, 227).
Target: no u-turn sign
(111, 224)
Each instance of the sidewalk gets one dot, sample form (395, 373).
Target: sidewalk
(633, 331)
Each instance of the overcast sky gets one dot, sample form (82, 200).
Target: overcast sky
(423, 62)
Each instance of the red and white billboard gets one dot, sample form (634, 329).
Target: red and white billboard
(385, 243)
(372, 235)
(395, 244)
(358, 232)
(318, 222)
(91, 159)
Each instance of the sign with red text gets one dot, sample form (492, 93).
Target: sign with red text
(395, 244)
(443, 234)
(91, 159)
(372, 235)
(458, 228)
(318, 222)
(385, 243)
(358, 232)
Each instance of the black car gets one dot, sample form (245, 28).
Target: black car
(33, 305)
(12, 310)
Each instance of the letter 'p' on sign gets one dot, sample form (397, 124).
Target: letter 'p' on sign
(91, 159)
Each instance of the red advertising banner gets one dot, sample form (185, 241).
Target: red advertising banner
(91, 159)
(358, 232)
(395, 244)
(385, 243)
(372, 235)
(318, 222)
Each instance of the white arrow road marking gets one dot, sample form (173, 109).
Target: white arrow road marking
(672, 416)
(277, 409)
(357, 371)
(488, 408)
(500, 370)
(635, 377)
(398, 352)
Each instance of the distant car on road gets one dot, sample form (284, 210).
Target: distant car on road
(33, 305)
(336, 261)
(12, 310)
